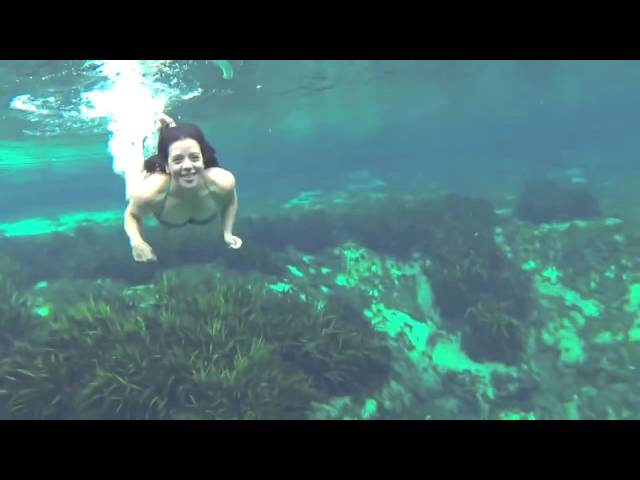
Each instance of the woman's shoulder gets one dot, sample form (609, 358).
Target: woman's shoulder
(221, 180)
(152, 187)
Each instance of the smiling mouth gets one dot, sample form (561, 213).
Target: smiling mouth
(189, 176)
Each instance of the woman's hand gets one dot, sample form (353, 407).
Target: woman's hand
(164, 121)
(142, 252)
(233, 241)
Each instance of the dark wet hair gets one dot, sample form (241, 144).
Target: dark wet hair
(169, 135)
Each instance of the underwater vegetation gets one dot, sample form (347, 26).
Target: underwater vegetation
(17, 322)
(308, 232)
(207, 347)
(14, 271)
(86, 253)
(92, 252)
(545, 201)
(393, 226)
(478, 290)
(394, 308)
(496, 331)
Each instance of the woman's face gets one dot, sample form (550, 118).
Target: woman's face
(185, 162)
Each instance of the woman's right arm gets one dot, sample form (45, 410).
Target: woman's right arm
(133, 215)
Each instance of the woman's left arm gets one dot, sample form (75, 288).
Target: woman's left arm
(227, 185)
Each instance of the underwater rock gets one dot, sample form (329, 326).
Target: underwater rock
(546, 201)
